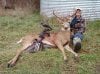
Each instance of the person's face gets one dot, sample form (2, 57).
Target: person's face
(78, 13)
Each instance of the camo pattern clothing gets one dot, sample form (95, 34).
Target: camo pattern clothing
(77, 25)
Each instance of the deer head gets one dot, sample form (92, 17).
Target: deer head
(65, 21)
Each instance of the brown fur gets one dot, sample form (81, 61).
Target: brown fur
(58, 39)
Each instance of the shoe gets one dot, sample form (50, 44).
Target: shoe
(77, 47)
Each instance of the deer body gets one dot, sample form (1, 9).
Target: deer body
(60, 40)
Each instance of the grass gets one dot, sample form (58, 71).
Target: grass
(50, 61)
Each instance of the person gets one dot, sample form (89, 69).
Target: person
(77, 26)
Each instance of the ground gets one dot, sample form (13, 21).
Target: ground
(50, 61)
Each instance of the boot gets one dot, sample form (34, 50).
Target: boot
(77, 44)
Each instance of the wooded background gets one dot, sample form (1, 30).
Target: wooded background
(20, 6)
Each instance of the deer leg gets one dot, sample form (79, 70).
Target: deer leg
(13, 61)
(60, 46)
(67, 47)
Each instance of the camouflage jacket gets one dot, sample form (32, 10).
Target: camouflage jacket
(77, 25)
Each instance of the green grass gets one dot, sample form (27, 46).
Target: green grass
(50, 61)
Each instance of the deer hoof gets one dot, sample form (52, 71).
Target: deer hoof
(9, 65)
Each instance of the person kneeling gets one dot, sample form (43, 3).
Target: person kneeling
(77, 28)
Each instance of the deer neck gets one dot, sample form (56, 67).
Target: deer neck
(66, 26)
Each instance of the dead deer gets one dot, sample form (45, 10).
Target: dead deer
(61, 40)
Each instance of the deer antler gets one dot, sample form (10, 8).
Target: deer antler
(58, 18)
